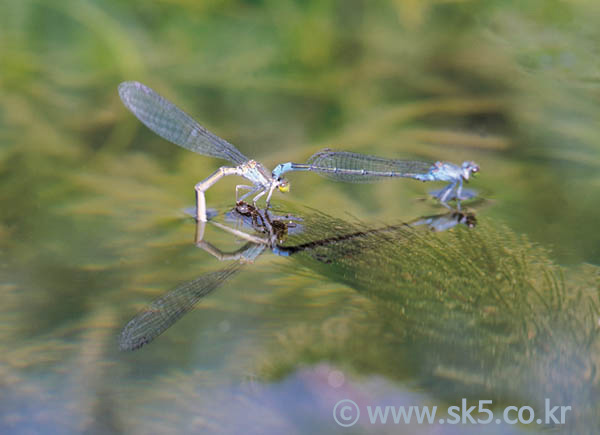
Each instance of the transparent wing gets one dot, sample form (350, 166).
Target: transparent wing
(363, 168)
(171, 123)
(166, 310)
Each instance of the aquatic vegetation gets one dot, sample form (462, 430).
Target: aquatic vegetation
(470, 312)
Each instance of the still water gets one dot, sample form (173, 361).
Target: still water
(121, 314)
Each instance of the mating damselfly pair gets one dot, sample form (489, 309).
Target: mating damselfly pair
(174, 125)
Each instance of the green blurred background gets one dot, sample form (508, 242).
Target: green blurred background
(512, 85)
(91, 225)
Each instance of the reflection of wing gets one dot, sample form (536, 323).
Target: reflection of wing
(166, 310)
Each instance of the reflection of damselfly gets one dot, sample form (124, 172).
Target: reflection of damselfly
(270, 233)
(166, 310)
(446, 221)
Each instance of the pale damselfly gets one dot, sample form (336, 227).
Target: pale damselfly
(362, 168)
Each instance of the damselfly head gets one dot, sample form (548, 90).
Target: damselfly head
(469, 168)
(283, 185)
